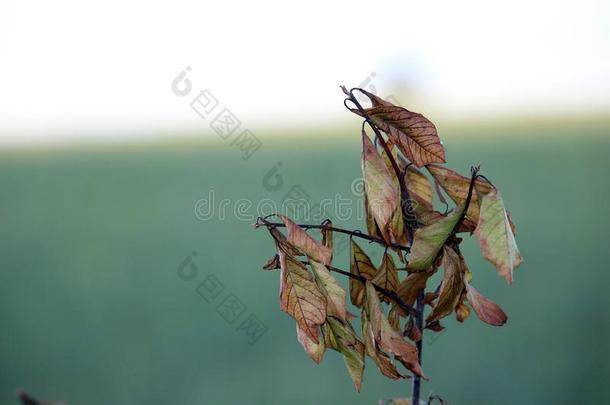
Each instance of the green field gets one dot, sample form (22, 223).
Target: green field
(93, 311)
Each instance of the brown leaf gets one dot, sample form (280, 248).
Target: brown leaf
(327, 236)
(451, 286)
(332, 290)
(313, 349)
(457, 187)
(487, 311)
(386, 337)
(300, 297)
(411, 132)
(382, 195)
(384, 363)
(409, 288)
(387, 276)
(273, 263)
(412, 331)
(313, 249)
(496, 236)
(420, 191)
(360, 265)
(462, 312)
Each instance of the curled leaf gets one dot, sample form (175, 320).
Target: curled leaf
(386, 337)
(496, 236)
(384, 363)
(381, 188)
(451, 287)
(360, 265)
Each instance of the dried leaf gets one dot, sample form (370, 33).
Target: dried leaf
(451, 286)
(487, 311)
(496, 236)
(313, 249)
(313, 349)
(420, 191)
(412, 331)
(409, 288)
(411, 132)
(300, 297)
(384, 363)
(347, 343)
(380, 187)
(429, 240)
(360, 265)
(386, 337)
(327, 236)
(457, 187)
(387, 276)
(273, 263)
(332, 290)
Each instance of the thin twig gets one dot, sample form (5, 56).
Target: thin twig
(390, 294)
(263, 222)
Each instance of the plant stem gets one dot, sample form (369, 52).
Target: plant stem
(261, 221)
(419, 322)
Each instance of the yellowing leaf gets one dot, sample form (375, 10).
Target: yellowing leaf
(313, 349)
(383, 361)
(387, 276)
(380, 187)
(298, 238)
(420, 191)
(300, 297)
(360, 265)
(411, 132)
(457, 187)
(387, 339)
(347, 343)
(451, 286)
(334, 293)
(496, 236)
(429, 240)
(487, 311)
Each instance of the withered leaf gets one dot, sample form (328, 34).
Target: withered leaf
(429, 240)
(495, 234)
(360, 265)
(412, 331)
(411, 132)
(420, 191)
(382, 195)
(273, 263)
(386, 338)
(451, 286)
(332, 290)
(461, 312)
(384, 363)
(387, 276)
(300, 297)
(457, 187)
(487, 311)
(347, 343)
(313, 249)
(313, 349)
(409, 288)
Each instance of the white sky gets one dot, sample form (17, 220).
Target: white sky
(75, 70)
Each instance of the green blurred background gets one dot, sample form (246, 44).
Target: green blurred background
(93, 310)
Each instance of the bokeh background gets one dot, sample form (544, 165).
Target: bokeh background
(103, 162)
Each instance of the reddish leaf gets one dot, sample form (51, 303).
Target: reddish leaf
(487, 311)
(313, 249)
